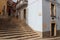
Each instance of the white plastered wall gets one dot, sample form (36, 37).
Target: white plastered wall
(46, 15)
(58, 14)
(34, 14)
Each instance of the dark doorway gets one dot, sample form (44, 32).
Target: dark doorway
(24, 13)
(9, 12)
(53, 29)
(3, 10)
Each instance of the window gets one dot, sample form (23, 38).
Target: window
(53, 8)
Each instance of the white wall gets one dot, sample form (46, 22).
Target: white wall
(34, 15)
(39, 13)
(58, 17)
(46, 15)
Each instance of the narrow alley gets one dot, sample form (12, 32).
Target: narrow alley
(15, 29)
(29, 20)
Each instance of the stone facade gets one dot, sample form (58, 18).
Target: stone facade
(11, 8)
(21, 9)
(3, 7)
(44, 16)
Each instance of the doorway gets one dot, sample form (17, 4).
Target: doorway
(53, 29)
(3, 10)
(25, 14)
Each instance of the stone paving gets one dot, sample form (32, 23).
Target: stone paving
(15, 30)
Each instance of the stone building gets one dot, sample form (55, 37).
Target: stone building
(11, 8)
(21, 8)
(3, 7)
(43, 16)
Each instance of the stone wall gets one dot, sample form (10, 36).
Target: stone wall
(2, 4)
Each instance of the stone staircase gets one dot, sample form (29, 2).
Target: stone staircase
(16, 30)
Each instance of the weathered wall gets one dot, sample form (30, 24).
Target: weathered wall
(46, 15)
(3, 3)
(58, 15)
(34, 15)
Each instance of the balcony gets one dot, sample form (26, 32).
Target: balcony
(9, 4)
(22, 4)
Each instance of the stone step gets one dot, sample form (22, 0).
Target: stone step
(17, 34)
(26, 27)
(21, 36)
(17, 30)
(13, 29)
